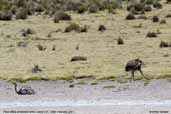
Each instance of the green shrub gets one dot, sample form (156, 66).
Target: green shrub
(5, 15)
(41, 47)
(56, 19)
(155, 19)
(164, 44)
(120, 41)
(20, 3)
(151, 34)
(139, 6)
(157, 5)
(147, 8)
(22, 14)
(102, 28)
(27, 32)
(163, 21)
(39, 8)
(93, 9)
(83, 29)
(81, 9)
(72, 27)
(130, 16)
(62, 16)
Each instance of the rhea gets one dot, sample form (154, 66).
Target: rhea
(24, 90)
(134, 65)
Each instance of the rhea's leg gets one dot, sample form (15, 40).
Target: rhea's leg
(143, 77)
(133, 78)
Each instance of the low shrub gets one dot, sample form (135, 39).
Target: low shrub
(157, 5)
(163, 21)
(72, 27)
(164, 44)
(130, 16)
(78, 58)
(147, 8)
(41, 48)
(155, 19)
(62, 16)
(101, 28)
(83, 29)
(36, 69)
(93, 9)
(22, 13)
(151, 34)
(5, 15)
(120, 41)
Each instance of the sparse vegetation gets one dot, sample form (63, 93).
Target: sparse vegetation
(41, 48)
(36, 69)
(102, 28)
(62, 16)
(120, 41)
(151, 34)
(78, 58)
(163, 21)
(130, 16)
(84, 18)
(72, 27)
(164, 44)
(155, 19)
(22, 14)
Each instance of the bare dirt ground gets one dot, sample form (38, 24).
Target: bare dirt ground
(106, 97)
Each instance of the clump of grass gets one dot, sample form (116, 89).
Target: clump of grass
(120, 41)
(155, 19)
(163, 21)
(163, 76)
(72, 27)
(39, 8)
(22, 44)
(142, 17)
(164, 44)
(62, 16)
(101, 28)
(81, 9)
(93, 9)
(22, 14)
(53, 48)
(56, 19)
(151, 34)
(27, 32)
(83, 29)
(78, 58)
(109, 87)
(130, 16)
(5, 15)
(157, 5)
(36, 69)
(168, 1)
(81, 82)
(94, 82)
(41, 48)
(147, 8)
(168, 16)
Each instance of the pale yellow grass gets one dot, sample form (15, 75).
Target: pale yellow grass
(106, 59)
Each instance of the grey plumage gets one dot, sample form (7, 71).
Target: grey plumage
(134, 65)
(25, 90)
